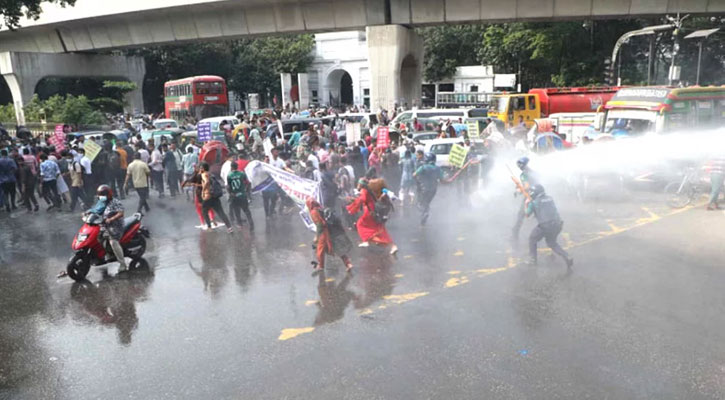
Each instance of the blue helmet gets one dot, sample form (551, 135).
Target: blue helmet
(522, 162)
(430, 158)
(536, 190)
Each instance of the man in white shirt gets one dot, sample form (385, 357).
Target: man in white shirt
(157, 171)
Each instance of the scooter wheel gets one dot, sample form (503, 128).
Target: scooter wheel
(78, 267)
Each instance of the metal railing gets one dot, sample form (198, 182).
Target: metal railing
(38, 129)
(459, 99)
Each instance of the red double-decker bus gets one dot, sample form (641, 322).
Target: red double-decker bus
(197, 97)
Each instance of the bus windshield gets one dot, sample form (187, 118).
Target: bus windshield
(209, 88)
(630, 122)
(499, 104)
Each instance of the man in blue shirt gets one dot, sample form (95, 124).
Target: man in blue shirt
(8, 167)
(49, 172)
(428, 175)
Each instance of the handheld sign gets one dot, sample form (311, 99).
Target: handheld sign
(92, 149)
(59, 138)
(457, 157)
(472, 128)
(203, 131)
(383, 137)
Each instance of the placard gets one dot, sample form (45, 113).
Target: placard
(92, 149)
(203, 131)
(383, 137)
(472, 128)
(457, 157)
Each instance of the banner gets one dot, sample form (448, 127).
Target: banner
(457, 157)
(203, 131)
(472, 128)
(92, 149)
(299, 189)
(383, 137)
(58, 138)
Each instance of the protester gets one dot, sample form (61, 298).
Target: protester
(157, 170)
(172, 170)
(549, 224)
(75, 176)
(49, 173)
(8, 180)
(138, 173)
(368, 228)
(211, 193)
(238, 187)
(330, 237)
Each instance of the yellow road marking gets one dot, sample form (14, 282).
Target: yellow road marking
(302, 245)
(330, 280)
(366, 311)
(458, 253)
(290, 333)
(403, 298)
(408, 257)
(398, 276)
(456, 281)
(454, 272)
(311, 302)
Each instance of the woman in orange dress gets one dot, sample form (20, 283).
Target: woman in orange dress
(368, 228)
(330, 239)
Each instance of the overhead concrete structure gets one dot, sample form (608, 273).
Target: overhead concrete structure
(395, 54)
(100, 25)
(23, 71)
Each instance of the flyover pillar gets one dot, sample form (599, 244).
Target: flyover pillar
(396, 66)
(23, 71)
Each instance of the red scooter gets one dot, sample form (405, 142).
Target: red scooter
(92, 249)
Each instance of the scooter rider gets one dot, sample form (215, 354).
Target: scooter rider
(549, 224)
(113, 223)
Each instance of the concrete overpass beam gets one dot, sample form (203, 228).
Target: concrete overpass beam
(396, 66)
(23, 71)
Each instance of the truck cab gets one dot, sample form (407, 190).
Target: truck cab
(512, 108)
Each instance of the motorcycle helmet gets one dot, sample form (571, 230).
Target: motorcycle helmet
(522, 162)
(104, 190)
(536, 190)
(430, 158)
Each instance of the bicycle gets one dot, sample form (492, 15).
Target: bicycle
(682, 192)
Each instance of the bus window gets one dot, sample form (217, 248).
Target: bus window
(704, 113)
(518, 103)
(532, 103)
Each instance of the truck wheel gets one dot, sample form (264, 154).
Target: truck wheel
(78, 267)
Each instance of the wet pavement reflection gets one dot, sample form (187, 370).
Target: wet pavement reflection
(456, 315)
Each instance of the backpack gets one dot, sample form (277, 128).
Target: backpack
(330, 218)
(217, 188)
(382, 211)
(114, 160)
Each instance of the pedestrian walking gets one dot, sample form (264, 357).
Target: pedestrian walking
(188, 162)
(428, 176)
(75, 177)
(238, 187)
(49, 173)
(212, 190)
(138, 172)
(157, 170)
(8, 180)
(172, 170)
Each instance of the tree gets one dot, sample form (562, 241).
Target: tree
(114, 96)
(260, 61)
(447, 47)
(13, 10)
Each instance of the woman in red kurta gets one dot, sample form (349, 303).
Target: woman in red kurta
(367, 227)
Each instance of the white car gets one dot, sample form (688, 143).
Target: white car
(165, 123)
(215, 121)
(442, 148)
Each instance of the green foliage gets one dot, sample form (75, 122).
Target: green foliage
(75, 110)
(13, 10)
(447, 47)
(7, 113)
(113, 98)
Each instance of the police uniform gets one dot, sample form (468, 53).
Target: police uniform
(548, 227)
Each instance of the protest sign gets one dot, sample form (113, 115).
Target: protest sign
(352, 133)
(383, 137)
(299, 189)
(58, 138)
(92, 149)
(203, 131)
(457, 157)
(472, 128)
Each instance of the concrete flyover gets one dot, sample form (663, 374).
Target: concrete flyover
(23, 71)
(92, 25)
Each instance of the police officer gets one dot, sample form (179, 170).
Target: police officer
(549, 224)
(528, 179)
(427, 175)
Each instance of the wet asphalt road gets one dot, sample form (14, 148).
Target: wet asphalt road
(457, 315)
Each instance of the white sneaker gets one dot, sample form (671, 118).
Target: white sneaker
(364, 244)
(123, 268)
